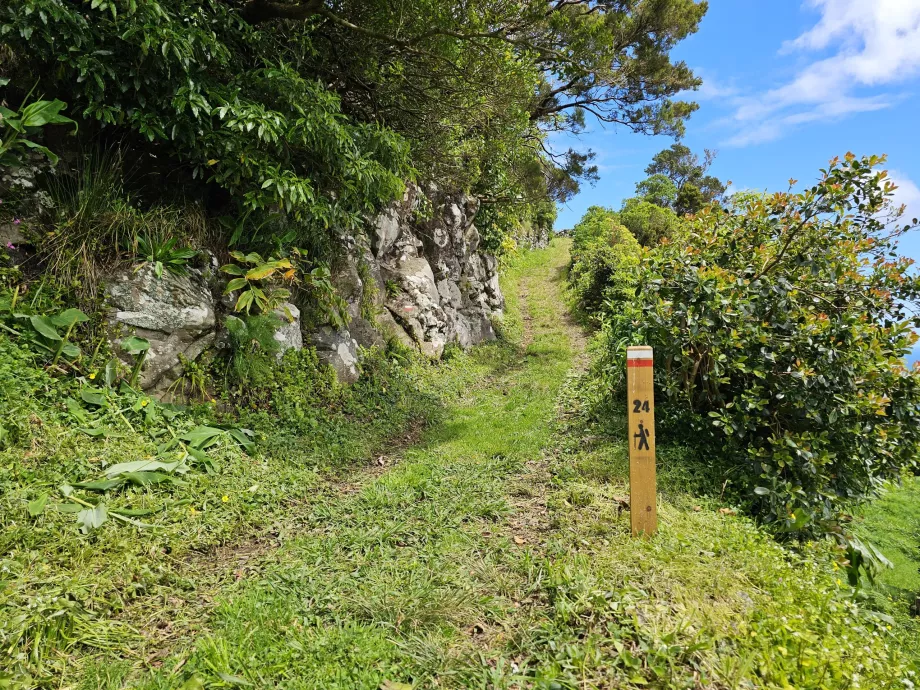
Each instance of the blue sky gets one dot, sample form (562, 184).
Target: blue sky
(788, 85)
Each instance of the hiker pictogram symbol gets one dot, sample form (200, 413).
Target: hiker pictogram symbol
(640, 439)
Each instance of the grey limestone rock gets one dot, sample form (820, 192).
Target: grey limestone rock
(174, 312)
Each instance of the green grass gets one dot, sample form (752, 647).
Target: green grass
(490, 552)
(892, 524)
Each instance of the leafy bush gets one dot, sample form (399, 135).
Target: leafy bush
(605, 272)
(163, 254)
(647, 222)
(252, 348)
(216, 95)
(596, 224)
(780, 329)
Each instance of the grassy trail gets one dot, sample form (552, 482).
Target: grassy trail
(494, 552)
(403, 576)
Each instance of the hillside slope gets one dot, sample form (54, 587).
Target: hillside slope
(491, 551)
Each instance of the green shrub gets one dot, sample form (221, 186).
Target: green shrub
(647, 222)
(605, 257)
(605, 272)
(597, 223)
(780, 329)
(252, 349)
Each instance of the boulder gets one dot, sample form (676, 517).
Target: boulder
(288, 333)
(174, 312)
(385, 231)
(346, 278)
(338, 349)
(365, 333)
(431, 283)
(389, 327)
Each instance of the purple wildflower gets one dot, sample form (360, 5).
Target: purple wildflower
(16, 221)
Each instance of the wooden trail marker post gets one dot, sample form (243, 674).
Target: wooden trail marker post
(643, 505)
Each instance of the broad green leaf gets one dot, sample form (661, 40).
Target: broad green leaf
(93, 396)
(51, 155)
(95, 432)
(92, 518)
(236, 284)
(148, 478)
(37, 507)
(241, 437)
(135, 345)
(67, 507)
(70, 351)
(144, 466)
(76, 410)
(101, 485)
(69, 317)
(42, 113)
(44, 326)
(244, 302)
(201, 437)
(111, 372)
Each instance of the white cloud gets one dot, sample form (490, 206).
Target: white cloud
(873, 43)
(907, 193)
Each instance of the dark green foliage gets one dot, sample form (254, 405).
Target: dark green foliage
(780, 329)
(648, 223)
(252, 349)
(223, 99)
(604, 265)
(17, 126)
(693, 188)
(259, 99)
(658, 189)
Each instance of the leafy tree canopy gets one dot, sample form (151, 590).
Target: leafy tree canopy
(694, 188)
(658, 189)
(323, 107)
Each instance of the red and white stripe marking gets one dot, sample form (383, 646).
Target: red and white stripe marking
(636, 357)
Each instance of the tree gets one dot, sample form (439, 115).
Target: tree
(443, 72)
(648, 222)
(320, 107)
(659, 190)
(684, 168)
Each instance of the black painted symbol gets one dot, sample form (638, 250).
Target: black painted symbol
(641, 406)
(640, 439)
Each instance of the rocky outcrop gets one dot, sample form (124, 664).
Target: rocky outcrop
(338, 349)
(289, 335)
(423, 277)
(419, 280)
(438, 288)
(175, 313)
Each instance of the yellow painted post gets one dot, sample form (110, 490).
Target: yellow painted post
(643, 506)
